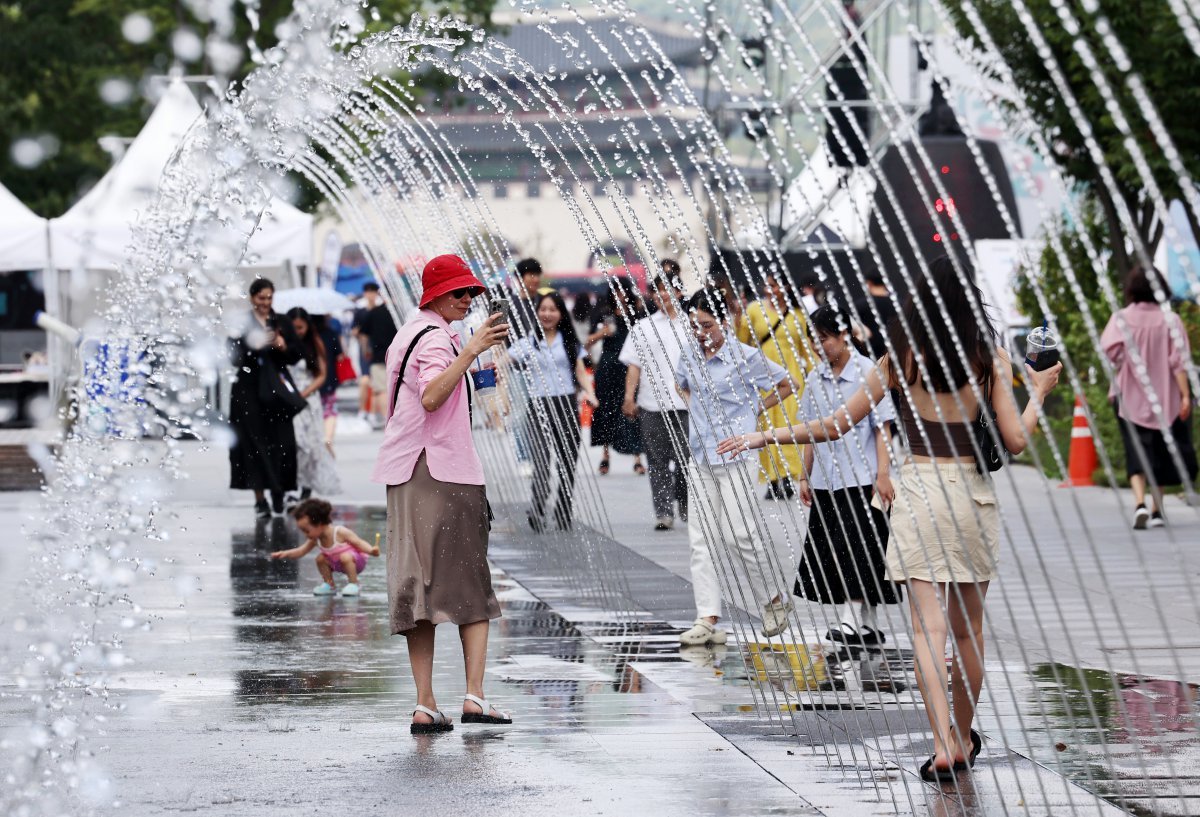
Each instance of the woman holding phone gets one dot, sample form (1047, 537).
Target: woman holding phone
(437, 510)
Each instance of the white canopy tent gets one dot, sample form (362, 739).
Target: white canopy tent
(96, 232)
(92, 239)
(22, 235)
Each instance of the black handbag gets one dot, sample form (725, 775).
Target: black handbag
(992, 454)
(278, 397)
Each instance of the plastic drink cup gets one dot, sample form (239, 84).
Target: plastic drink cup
(483, 376)
(484, 380)
(1042, 349)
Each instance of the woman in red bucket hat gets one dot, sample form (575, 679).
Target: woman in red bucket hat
(437, 512)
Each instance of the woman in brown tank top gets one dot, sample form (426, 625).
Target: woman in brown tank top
(945, 525)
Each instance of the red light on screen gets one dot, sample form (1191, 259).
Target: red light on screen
(945, 169)
(937, 237)
(944, 206)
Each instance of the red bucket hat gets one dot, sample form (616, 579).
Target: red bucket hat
(447, 273)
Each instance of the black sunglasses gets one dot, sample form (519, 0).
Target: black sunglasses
(458, 293)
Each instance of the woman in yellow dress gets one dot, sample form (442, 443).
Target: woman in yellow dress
(781, 329)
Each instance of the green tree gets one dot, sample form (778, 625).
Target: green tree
(56, 54)
(1159, 54)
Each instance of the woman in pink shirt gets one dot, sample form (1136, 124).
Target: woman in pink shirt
(1148, 347)
(437, 512)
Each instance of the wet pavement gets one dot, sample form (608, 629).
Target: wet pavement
(1081, 698)
(251, 696)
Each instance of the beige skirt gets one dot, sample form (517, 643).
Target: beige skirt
(437, 568)
(945, 525)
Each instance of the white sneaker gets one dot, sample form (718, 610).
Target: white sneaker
(703, 633)
(664, 523)
(1140, 517)
(350, 590)
(1157, 520)
(775, 617)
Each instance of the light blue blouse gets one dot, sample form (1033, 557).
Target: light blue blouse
(723, 395)
(852, 459)
(547, 370)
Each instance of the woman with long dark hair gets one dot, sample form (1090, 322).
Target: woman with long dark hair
(554, 376)
(945, 523)
(611, 429)
(263, 456)
(315, 470)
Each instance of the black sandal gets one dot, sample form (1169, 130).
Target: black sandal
(639, 469)
(932, 774)
(603, 467)
(440, 723)
(976, 748)
(488, 713)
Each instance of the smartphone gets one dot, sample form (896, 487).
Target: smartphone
(498, 303)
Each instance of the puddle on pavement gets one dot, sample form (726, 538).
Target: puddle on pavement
(299, 650)
(1131, 739)
(304, 686)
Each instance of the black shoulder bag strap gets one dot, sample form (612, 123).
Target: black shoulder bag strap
(770, 332)
(992, 449)
(404, 365)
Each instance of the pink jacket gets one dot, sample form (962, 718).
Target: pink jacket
(444, 435)
(1163, 350)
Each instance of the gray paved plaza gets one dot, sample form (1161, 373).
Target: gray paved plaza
(249, 696)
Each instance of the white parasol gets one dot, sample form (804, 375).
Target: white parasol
(315, 300)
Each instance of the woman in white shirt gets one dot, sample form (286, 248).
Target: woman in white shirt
(554, 374)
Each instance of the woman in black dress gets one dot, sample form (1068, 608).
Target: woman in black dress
(263, 455)
(610, 428)
(847, 537)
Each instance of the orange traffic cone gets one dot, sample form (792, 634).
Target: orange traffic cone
(585, 408)
(1082, 460)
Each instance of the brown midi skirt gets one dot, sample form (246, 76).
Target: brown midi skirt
(437, 536)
